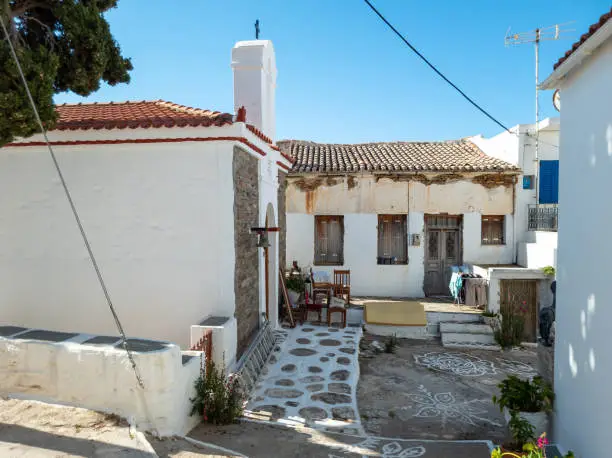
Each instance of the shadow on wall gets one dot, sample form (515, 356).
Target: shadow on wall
(583, 364)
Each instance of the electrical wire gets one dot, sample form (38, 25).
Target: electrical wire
(441, 75)
(74, 210)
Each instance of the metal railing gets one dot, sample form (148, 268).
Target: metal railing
(543, 217)
(205, 345)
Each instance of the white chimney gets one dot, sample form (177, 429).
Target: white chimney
(254, 68)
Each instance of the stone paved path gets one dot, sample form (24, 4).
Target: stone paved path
(311, 379)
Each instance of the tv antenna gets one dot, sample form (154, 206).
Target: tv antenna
(257, 29)
(553, 32)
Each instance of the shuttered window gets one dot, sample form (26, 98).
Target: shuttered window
(329, 240)
(392, 239)
(493, 230)
(549, 182)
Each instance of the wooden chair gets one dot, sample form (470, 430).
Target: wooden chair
(315, 303)
(339, 308)
(342, 284)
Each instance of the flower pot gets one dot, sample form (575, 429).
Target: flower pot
(294, 296)
(539, 420)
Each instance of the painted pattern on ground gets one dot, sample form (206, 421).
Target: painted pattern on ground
(311, 379)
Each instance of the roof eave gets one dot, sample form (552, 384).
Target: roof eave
(577, 57)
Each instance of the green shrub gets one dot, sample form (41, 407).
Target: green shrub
(391, 344)
(522, 431)
(525, 396)
(508, 332)
(489, 314)
(219, 399)
(549, 270)
(295, 283)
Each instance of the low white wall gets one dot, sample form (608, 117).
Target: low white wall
(541, 253)
(224, 341)
(101, 378)
(495, 275)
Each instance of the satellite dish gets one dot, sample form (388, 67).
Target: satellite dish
(557, 100)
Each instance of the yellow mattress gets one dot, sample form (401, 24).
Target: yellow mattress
(400, 313)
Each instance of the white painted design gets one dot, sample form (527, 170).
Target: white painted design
(456, 363)
(309, 371)
(383, 449)
(516, 367)
(448, 408)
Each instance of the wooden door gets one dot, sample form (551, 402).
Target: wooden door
(521, 298)
(442, 250)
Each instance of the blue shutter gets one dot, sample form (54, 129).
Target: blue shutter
(549, 182)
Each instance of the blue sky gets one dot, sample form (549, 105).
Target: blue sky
(342, 75)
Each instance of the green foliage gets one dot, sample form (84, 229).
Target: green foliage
(219, 399)
(295, 283)
(508, 331)
(549, 270)
(525, 396)
(391, 344)
(522, 431)
(489, 314)
(62, 45)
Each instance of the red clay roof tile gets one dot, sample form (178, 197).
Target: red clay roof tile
(592, 29)
(145, 114)
(449, 156)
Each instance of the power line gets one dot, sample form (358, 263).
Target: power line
(433, 67)
(441, 75)
(74, 210)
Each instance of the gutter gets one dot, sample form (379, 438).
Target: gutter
(578, 56)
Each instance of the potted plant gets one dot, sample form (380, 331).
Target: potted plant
(295, 285)
(529, 449)
(529, 400)
(490, 318)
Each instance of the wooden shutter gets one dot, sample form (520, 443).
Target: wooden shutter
(492, 230)
(329, 240)
(392, 239)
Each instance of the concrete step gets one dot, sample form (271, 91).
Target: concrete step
(467, 338)
(472, 346)
(438, 317)
(463, 327)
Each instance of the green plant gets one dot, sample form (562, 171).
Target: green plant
(219, 399)
(391, 344)
(489, 314)
(522, 431)
(549, 270)
(525, 396)
(508, 331)
(295, 283)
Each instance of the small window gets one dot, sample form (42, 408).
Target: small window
(392, 239)
(329, 240)
(493, 230)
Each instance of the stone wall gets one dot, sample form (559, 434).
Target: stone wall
(246, 278)
(282, 220)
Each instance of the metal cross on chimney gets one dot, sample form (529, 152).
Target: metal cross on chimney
(257, 29)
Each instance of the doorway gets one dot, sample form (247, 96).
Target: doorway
(443, 249)
(520, 297)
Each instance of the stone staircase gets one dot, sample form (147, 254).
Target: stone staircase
(468, 333)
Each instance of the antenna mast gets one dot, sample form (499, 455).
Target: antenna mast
(535, 36)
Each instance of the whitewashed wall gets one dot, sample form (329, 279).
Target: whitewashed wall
(101, 378)
(160, 221)
(583, 363)
(518, 147)
(361, 206)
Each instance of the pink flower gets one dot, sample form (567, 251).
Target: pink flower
(542, 441)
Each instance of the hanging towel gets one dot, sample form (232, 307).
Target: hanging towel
(455, 284)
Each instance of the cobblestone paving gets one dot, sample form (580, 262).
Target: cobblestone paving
(311, 380)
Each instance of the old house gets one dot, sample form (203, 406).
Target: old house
(398, 214)
(168, 195)
(583, 364)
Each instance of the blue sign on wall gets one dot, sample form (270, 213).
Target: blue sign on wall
(527, 182)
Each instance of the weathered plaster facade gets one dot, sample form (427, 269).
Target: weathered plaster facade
(361, 198)
(246, 270)
(282, 219)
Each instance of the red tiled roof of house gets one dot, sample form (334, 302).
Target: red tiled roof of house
(145, 114)
(592, 29)
(448, 156)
